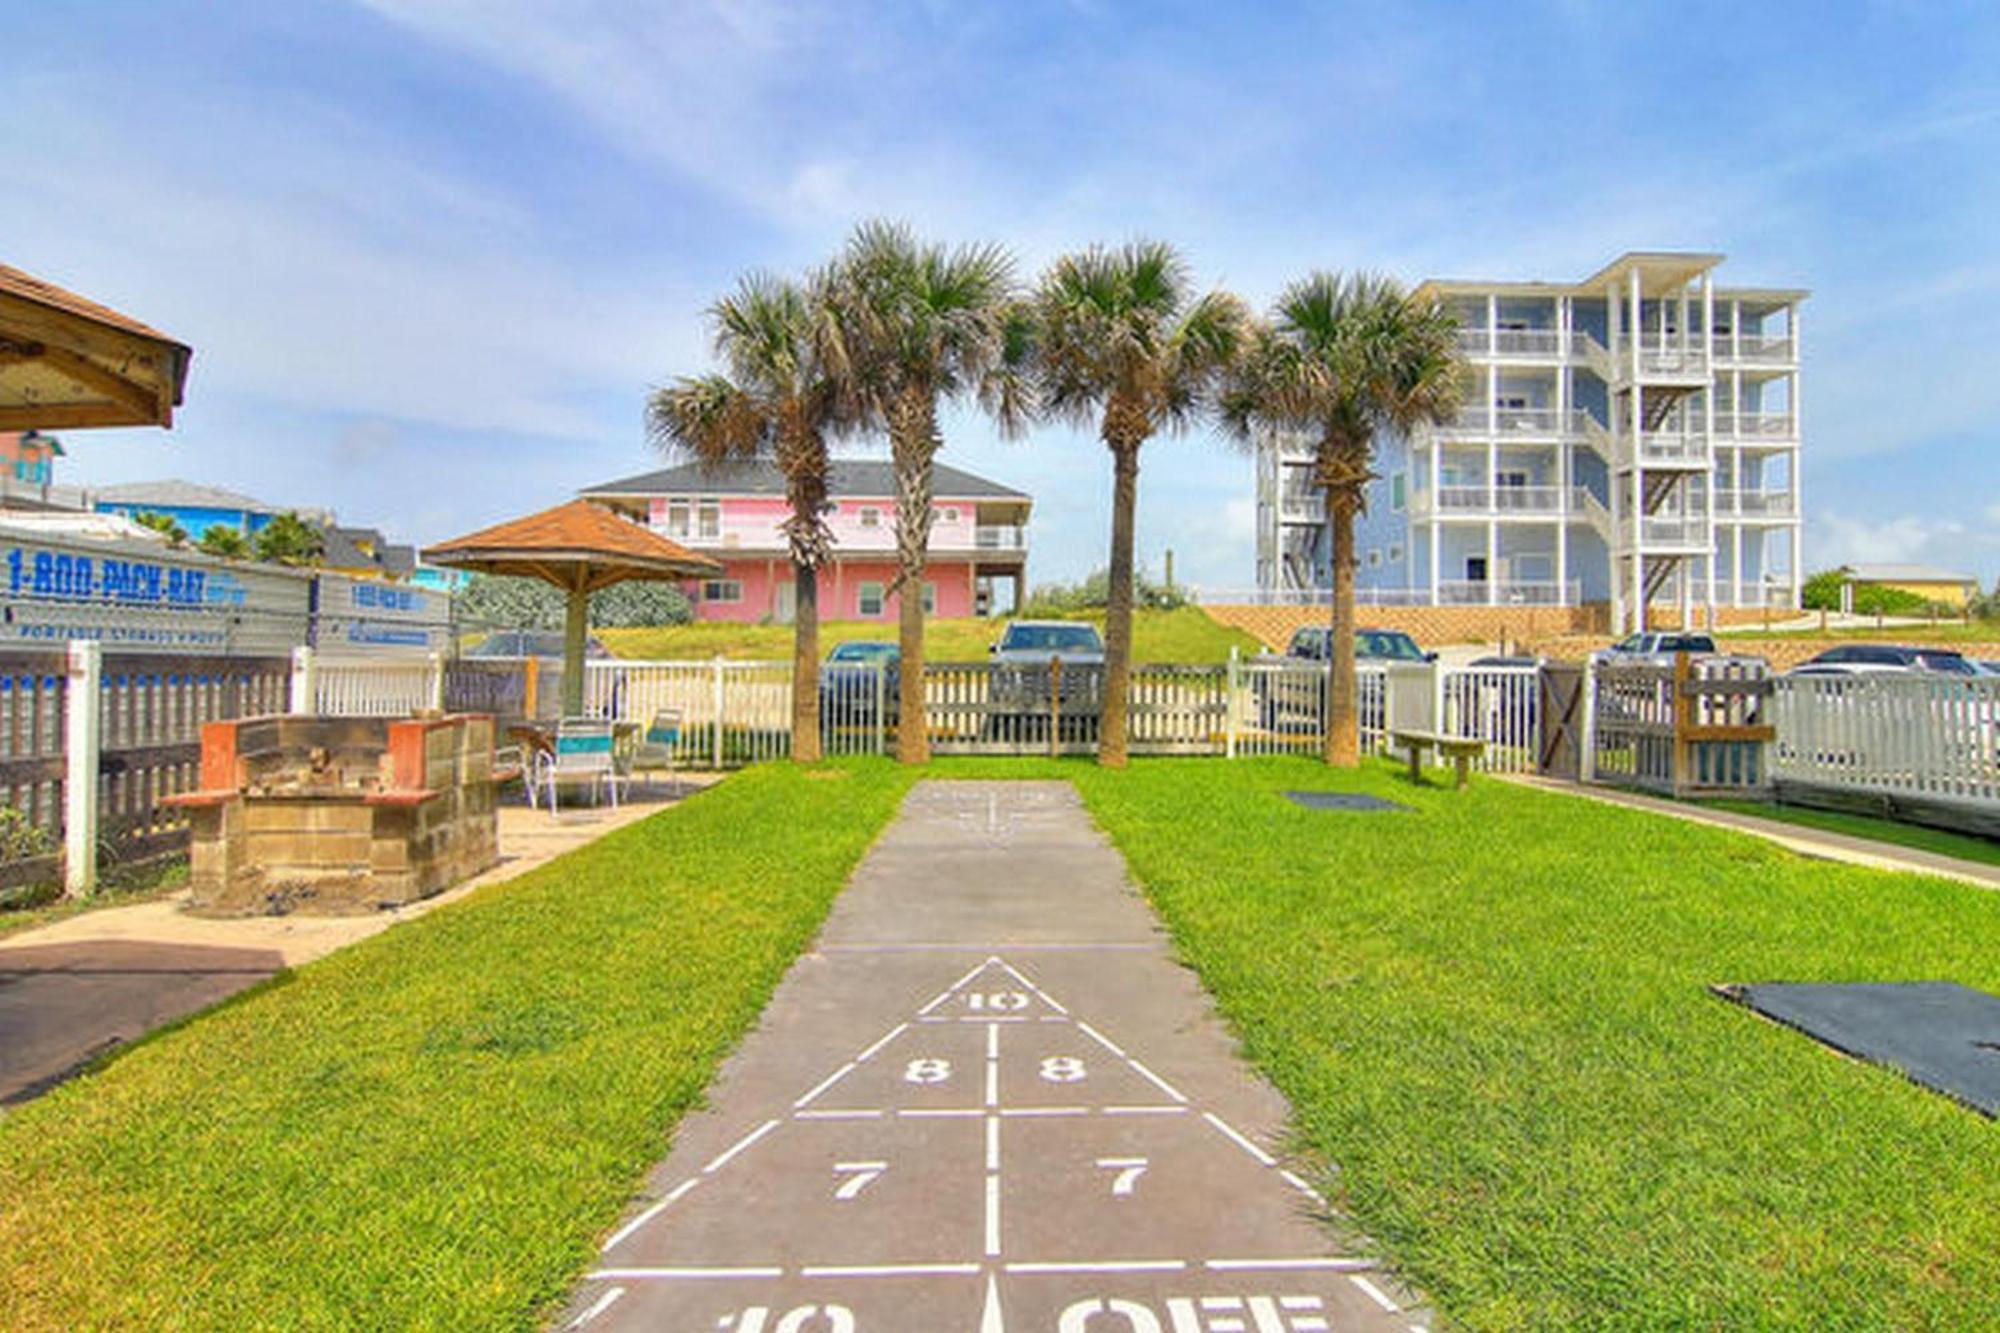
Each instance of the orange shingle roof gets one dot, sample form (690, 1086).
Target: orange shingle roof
(29, 287)
(573, 540)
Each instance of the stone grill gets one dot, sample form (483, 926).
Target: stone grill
(332, 815)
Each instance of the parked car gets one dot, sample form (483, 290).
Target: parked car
(854, 676)
(1370, 645)
(1867, 659)
(1988, 668)
(1656, 648)
(1019, 692)
(1289, 699)
(533, 643)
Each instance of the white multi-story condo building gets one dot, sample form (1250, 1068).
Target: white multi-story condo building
(1631, 439)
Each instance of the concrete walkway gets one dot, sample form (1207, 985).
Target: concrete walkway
(988, 1100)
(81, 986)
(1794, 837)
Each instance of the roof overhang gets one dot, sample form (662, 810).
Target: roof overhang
(1659, 270)
(67, 362)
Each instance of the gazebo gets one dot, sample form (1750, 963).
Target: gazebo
(579, 547)
(68, 362)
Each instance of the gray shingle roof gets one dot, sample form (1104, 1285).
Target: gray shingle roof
(864, 478)
(1898, 573)
(179, 494)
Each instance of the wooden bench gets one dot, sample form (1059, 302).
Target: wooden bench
(1460, 750)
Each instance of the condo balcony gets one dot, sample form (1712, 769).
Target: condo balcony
(1490, 501)
(1520, 344)
(1667, 532)
(1482, 422)
(1756, 349)
(1000, 537)
(1772, 426)
(1669, 358)
(1661, 449)
(1508, 592)
(1755, 504)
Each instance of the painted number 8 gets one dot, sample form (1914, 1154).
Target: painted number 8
(927, 1071)
(1062, 1069)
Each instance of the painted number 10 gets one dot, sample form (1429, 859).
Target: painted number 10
(999, 1002)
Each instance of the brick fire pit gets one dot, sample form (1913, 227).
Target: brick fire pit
(336, 815)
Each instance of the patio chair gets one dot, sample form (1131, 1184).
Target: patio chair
(657, 744)
(582, 756)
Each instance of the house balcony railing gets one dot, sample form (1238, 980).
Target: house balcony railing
(1527, 344)
(1671, 531)
(1755, 504)
(1476, 500)
(1000, 537)
(1508, 592)
(1483, 422)
(1755, 426)
(1660, 449)
(1662, 356)
(1301, 504)
(1757, 348)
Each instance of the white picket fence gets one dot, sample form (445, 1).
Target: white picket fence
(1926, 736)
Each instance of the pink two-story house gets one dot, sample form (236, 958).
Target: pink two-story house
(735, 512)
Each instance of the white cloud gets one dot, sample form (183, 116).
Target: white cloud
(1842, 539)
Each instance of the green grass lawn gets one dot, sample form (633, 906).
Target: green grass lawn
(1187, 634)
(432, 1128)
(1964, 846)
(1493, 1013)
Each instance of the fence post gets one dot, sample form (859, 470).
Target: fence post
(305, 681)
(437, 682)
(1229, 707)
(1682, 712)
(1586, 759)
(1055, 707)
(83, 700)
(881, 709)
(717, 729)
(531, 688)
(1438, 723)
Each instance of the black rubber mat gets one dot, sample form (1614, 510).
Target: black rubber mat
(1341, 800)
(1940, 1034)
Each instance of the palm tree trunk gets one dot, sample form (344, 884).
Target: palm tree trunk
(805, 665)
(1111, 730)
(1343, 726)
(913, 440)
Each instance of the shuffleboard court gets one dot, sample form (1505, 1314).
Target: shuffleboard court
(987, 1101)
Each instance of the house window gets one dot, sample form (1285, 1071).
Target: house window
(1395, 555)
(722, 590)
(870, 603)
(948, 515)
(1374, 557)
(677, 518)
(930, 599)
(710, 518)
(1398, 491)
(871, 517)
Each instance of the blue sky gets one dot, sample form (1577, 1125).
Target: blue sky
(432, 254)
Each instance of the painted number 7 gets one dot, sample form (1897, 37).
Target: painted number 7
(1128, 1169)
(859, 1176)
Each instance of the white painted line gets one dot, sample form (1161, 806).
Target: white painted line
(839, 1114)
(1041, 994)
(1145, 1110)
(654, 1211)
(992, 1215)
(1241, 1142)
(992, 1083)
(1103, 1040)
(825, 1083)
(992, 1039)
(1108, 1266)
(1291, 1265)
(1373, 1293)
(990, 1320)
(941, 998)
(1302, 1185)
(884, 1040)
(1157, 1081)
(940, 1112)
(1045, 1110)
(888, 1270)
(598, 1307)
(992, 1143)
(674, 1274)
(741, 1144)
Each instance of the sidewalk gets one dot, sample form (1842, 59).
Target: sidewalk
(987, 1100)
(81, 986)
(1794, 837)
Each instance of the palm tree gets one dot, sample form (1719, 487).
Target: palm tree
(779, 398)
(165, 524)
(224, 541)
(1126, 346)
(1343, 358)
(289, 540)
(918, 323)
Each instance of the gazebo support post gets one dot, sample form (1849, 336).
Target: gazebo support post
(576, 629)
